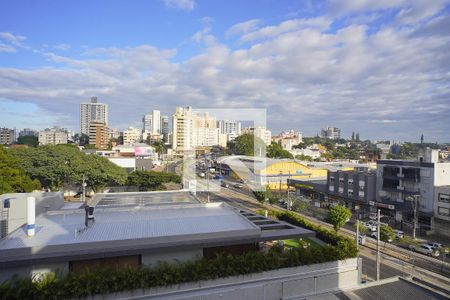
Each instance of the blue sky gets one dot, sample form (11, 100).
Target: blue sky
(378, 67)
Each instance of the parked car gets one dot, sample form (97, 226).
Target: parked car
(435, 245)
(224, 184)
(238, 186)
(371, 225)
(399, 234)
(424, 249)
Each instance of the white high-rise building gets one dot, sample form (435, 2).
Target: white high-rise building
(165, 128)
(231, 128)
(147, 121)
(332, 133)
(92, 111)
(204, 130)
(156, 121)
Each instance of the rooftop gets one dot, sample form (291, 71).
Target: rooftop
(139, 222)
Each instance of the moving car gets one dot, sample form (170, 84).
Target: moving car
(399, 234)
(238, 186)
(371, 225)
(224, 184)
(424, 249)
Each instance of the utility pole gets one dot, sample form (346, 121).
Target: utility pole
(84, 189)
(415, 216)
(357, 233)
(378, 245)
(207, 178)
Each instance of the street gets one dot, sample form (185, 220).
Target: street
(392, 263)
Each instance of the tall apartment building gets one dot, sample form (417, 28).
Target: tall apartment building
(52, 136)
(7, 136)
(28, 132)
(147, 123)
(332, 133)
(260, 132)
(132, 135)
(400, 181)
(165, 128)
(182, 124)
(92, 111)
(98, 135)
(231, 128)
(204, 130)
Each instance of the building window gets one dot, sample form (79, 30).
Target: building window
(350, 182)
(331, 179)
(350, 193)
(444, 211)
(361, 193)
(362, 183)
(444, 198)
(331, 188)
(341, 180)
(341, 190)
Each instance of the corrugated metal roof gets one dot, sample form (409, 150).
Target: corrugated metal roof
(67, 227)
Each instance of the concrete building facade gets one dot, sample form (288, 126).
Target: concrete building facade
(260, 132)
(165, 128)
(399, 182)
(7, 136)
(231, 128)
(53, 136)
(132, 135)
(98, 135)
(92, 111)
(332, 133)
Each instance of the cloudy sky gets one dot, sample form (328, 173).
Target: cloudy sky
(381, 68)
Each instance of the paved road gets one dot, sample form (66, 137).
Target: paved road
(392, 264)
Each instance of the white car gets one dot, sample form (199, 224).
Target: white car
(435, 245)
(425, 249)
(371, 225)
(374, 235)
(399, 234)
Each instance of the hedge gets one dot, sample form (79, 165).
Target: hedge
(113, 280)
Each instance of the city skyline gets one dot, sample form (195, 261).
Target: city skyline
(377, 68)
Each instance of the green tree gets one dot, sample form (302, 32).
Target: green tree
(386, 233)
(13, 178)
(62, 166)
(159, 146)
(245, 145)
(304, 157)
(29, 140)
(274, 150)
(151, 180)
(81, 139)
(362, 228)
(338, 216)
(267, 195)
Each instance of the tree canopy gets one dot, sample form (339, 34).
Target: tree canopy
(13, 178)
(245, 145)
(151, 180)
(386, 233)
(275, 150)
(29, 140)
(64, 165)
(338, 216)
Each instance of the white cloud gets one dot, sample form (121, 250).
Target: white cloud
(180, 4)
(392, 83)
(7, 48)
(13, 39)
(243, 27)
(62, 47)
(285, 27)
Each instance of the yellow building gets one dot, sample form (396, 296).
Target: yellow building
(266, 171)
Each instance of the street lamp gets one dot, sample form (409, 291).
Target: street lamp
(413, 198)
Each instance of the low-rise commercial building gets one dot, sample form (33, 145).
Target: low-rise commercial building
(135, 229)
(400, 183)
(132, 135)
